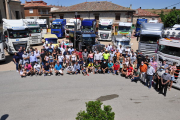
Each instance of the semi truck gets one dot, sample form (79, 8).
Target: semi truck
(58, 27)
(125, 29)
(149, 35)
(105, 30)
(85, 38)
(35, 36)
(71, 25)
(2, 52)
(172, 31)
(16, 35)
(169, 50)
(138, 26)
(43, 26)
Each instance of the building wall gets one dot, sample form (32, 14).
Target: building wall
(2, 14)
(16, 6)
(35, 12)
(87, 15)
(149, 18)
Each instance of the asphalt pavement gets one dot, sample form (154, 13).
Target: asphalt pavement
(62, 97)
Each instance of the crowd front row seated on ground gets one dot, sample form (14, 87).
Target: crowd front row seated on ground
(118, 61)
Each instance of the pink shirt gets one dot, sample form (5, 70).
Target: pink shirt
(154, 65)
(91, 55)
(28, 67)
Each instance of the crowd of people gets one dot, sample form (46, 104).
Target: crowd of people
(118, 61)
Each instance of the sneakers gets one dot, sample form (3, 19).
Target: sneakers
(17, 71)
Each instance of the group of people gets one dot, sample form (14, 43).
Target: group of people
(118, 61)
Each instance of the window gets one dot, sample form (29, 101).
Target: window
(103, 27)
(169, 50)
(61, 17)
(17, 15)
(30, 10)
(18, 34)
(97, 17)
(117, 16)
(34, 30)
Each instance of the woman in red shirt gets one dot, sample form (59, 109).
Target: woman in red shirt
(129, 71)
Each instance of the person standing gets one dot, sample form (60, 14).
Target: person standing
(173, 69)
(85, 55)
(111, 55)
(16, 61)
(150, 73)
(165, 79)
(143, 70)
(33, 59)
(97, 57)
(140, 58)
(106, 56)
(25, 57)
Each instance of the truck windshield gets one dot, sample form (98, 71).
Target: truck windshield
(43, 26)
(70, 26)
(56, 26)
(169, 50)
(51, 40)
(124, 28)
(149, 39)
(34, 30)
(88, 39)
(123, 43)
(87, 28)
(102, 27)
(18, 34)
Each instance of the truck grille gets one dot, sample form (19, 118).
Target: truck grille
(34, 37)
(104, 35)
(17, 45)
(55, 31)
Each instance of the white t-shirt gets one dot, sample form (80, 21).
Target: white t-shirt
(69, 68)
(128, 50)
(97, 56)
(67, 57)
(37, 67)
(52, 46)
(109, 47)
(73, 57)
(101, 56)
(60, 58)
(120, 49)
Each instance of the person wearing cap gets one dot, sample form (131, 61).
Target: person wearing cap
(37, 69)
(150, 73)
(58, 69)
(106, 56)
(159, 73)
(165, 79)
(136, 75)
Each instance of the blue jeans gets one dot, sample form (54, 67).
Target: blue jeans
(149, 79)
(135, 79)
(138, 66)
(116, 72)
(91, 60)
(17, 65)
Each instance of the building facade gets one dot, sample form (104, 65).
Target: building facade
(37, 10)
(95, 10)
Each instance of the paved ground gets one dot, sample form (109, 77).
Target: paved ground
(9, 65)
(61, 98)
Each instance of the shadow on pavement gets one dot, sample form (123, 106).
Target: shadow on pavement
(4, 117)
(9, 58)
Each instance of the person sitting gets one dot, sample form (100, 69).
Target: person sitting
(28, 69)
(159, 73)
(129, 71)
(58, 69)
(80, 62)
(97, 68)
(116, 67)
(37, 69)
(104, 67)
(22, 72)
(90, 67)
(110, 67)
(85, 71)
(124, 70)
(70, 69)
(47, 69)
(136, 75)
(76, 68)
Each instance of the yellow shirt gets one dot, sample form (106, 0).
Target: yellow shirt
(90, 64)
(106, 56)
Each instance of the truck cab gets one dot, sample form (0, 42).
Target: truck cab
(172, 31)
(16, 35)
(125, 29)
(105, 29)
(2, 53)
(138, 26)
(169, 50)
(43, 26)
(35, 36)
(149, 35)
(70, 26)
(58, 27)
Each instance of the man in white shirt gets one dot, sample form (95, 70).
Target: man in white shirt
(109, 47)
(52, 46)
(97, 57)
(25, 57)
(120, 48)
(101, 55)
(70, 69)
(37, 69)
(71, 49)
(127, 49)
(60, 58)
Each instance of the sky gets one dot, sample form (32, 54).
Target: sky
(144, 4)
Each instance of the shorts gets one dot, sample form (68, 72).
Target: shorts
(21, 73)
(27, 70)
(172, 78)
(51, 61)
(73, 61)
(38, 70)
(60, 71)
(47, 70)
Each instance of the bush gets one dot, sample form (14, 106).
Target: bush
(94, 112)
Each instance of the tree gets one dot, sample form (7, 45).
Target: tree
(94, 112)
(171, 18)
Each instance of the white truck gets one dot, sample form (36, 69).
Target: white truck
(16, 35)
(105, 30)
(35, 36)
(149, 36)
(172, 31)
(169, 50)
(70, 26)
(43, 25)
(125, 29)
(2, 53)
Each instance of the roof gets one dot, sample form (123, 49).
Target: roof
(142, 13)
(50, 36)
(36, 4)
(93, 6)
